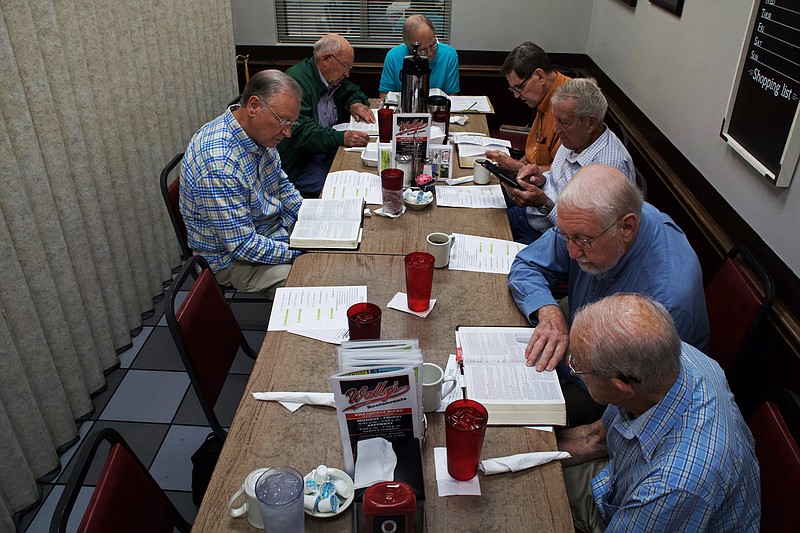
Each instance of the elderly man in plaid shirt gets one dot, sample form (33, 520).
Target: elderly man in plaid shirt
(672, 452)
(237, 203)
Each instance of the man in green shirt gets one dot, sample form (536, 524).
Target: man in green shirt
(328, 98)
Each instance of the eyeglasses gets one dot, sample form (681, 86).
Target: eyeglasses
(583, 243)
(346, 68)
(516, 89)
(282, 121)
(621, 377)
(428, 50)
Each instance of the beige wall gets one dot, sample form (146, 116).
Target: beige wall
(679, 71)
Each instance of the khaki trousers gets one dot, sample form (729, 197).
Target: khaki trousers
(254, 277)
(578, 479)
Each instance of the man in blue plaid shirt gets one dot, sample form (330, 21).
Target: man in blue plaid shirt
(237, 203)
(679, 455)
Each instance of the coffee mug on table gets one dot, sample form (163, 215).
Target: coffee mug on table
(433, 380)
(481, 174)
(439, 247)
(250, 505)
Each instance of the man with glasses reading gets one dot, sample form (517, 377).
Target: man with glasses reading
(237, 203)
(607, 240)
(442, 58)
(671, 452)
(578, 107)
(532, 78)
(328, 98)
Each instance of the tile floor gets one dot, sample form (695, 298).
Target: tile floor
(150, 402)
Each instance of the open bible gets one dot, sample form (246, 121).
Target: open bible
(328, 224)
(496, 376)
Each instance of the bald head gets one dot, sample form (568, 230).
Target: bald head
(332, 43)
(414, 27)
(602, 190)
(628, 334)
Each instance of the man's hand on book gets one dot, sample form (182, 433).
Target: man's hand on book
(550, 339)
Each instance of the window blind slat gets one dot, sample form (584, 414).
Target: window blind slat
(373, 22)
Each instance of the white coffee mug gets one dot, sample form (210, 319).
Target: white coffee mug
(481, 174)
(432, 379)
(439, 245)
(250, 506)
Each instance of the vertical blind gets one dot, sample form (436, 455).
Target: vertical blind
(365, 22)
(95, 98)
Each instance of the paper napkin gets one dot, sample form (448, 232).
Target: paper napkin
(400, 302)
(295, 400)
(375, 462)
(446, 485)
(520, 461)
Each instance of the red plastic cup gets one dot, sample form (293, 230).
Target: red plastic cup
(392, 189)
(385, 115)
(364, 321)
(419, 279)
(465, 426)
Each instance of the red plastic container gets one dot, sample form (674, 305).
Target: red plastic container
(389, 506)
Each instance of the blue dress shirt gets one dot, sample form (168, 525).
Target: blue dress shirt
(659, 264)
(687, 464)
(237, 203)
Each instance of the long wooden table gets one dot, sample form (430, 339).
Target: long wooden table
(407, 233)
(266, 434)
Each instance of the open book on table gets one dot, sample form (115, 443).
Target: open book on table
(496, 376)
(328, 224)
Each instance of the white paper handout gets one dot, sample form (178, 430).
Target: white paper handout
(475, 104)
(351, 184)
(476, 196)
(483, 254)
(305, 308)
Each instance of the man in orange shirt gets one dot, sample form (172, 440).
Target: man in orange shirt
(533, 80)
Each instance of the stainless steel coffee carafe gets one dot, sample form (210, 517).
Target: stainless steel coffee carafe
(415, 79)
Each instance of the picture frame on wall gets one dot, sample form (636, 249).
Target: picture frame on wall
(631, 3)
(673, 6)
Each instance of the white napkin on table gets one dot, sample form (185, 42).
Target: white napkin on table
(520, 461)
(375, 461)
(295, 400)
(400, 302)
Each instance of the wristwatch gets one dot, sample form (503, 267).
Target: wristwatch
(546, 207)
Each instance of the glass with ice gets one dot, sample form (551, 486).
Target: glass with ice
(465, 425)
(280, 492)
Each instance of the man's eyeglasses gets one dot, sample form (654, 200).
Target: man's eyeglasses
(428, 50)
(346, 67)
(583, 243)
(282, 121)
(516, 89)
(621, 377)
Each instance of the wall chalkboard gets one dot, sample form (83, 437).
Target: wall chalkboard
(763, 107)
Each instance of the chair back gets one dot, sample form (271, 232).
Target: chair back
(779, 462)
(171, 193)
(126, 498)
(735, 306)
(206, 334)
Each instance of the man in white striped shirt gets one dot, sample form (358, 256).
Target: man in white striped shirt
(579, 108)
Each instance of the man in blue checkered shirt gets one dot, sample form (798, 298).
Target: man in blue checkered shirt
(679, 456)
(237, 203)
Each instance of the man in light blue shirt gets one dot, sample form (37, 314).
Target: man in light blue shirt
(678, 455)
(607, 240)
(442, 58)
(579, 108)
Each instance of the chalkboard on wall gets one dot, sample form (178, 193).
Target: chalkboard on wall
(762, 115)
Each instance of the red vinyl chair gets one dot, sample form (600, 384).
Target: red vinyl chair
(126, 498)
(735, 306)
(206, 334)
(779, 461)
